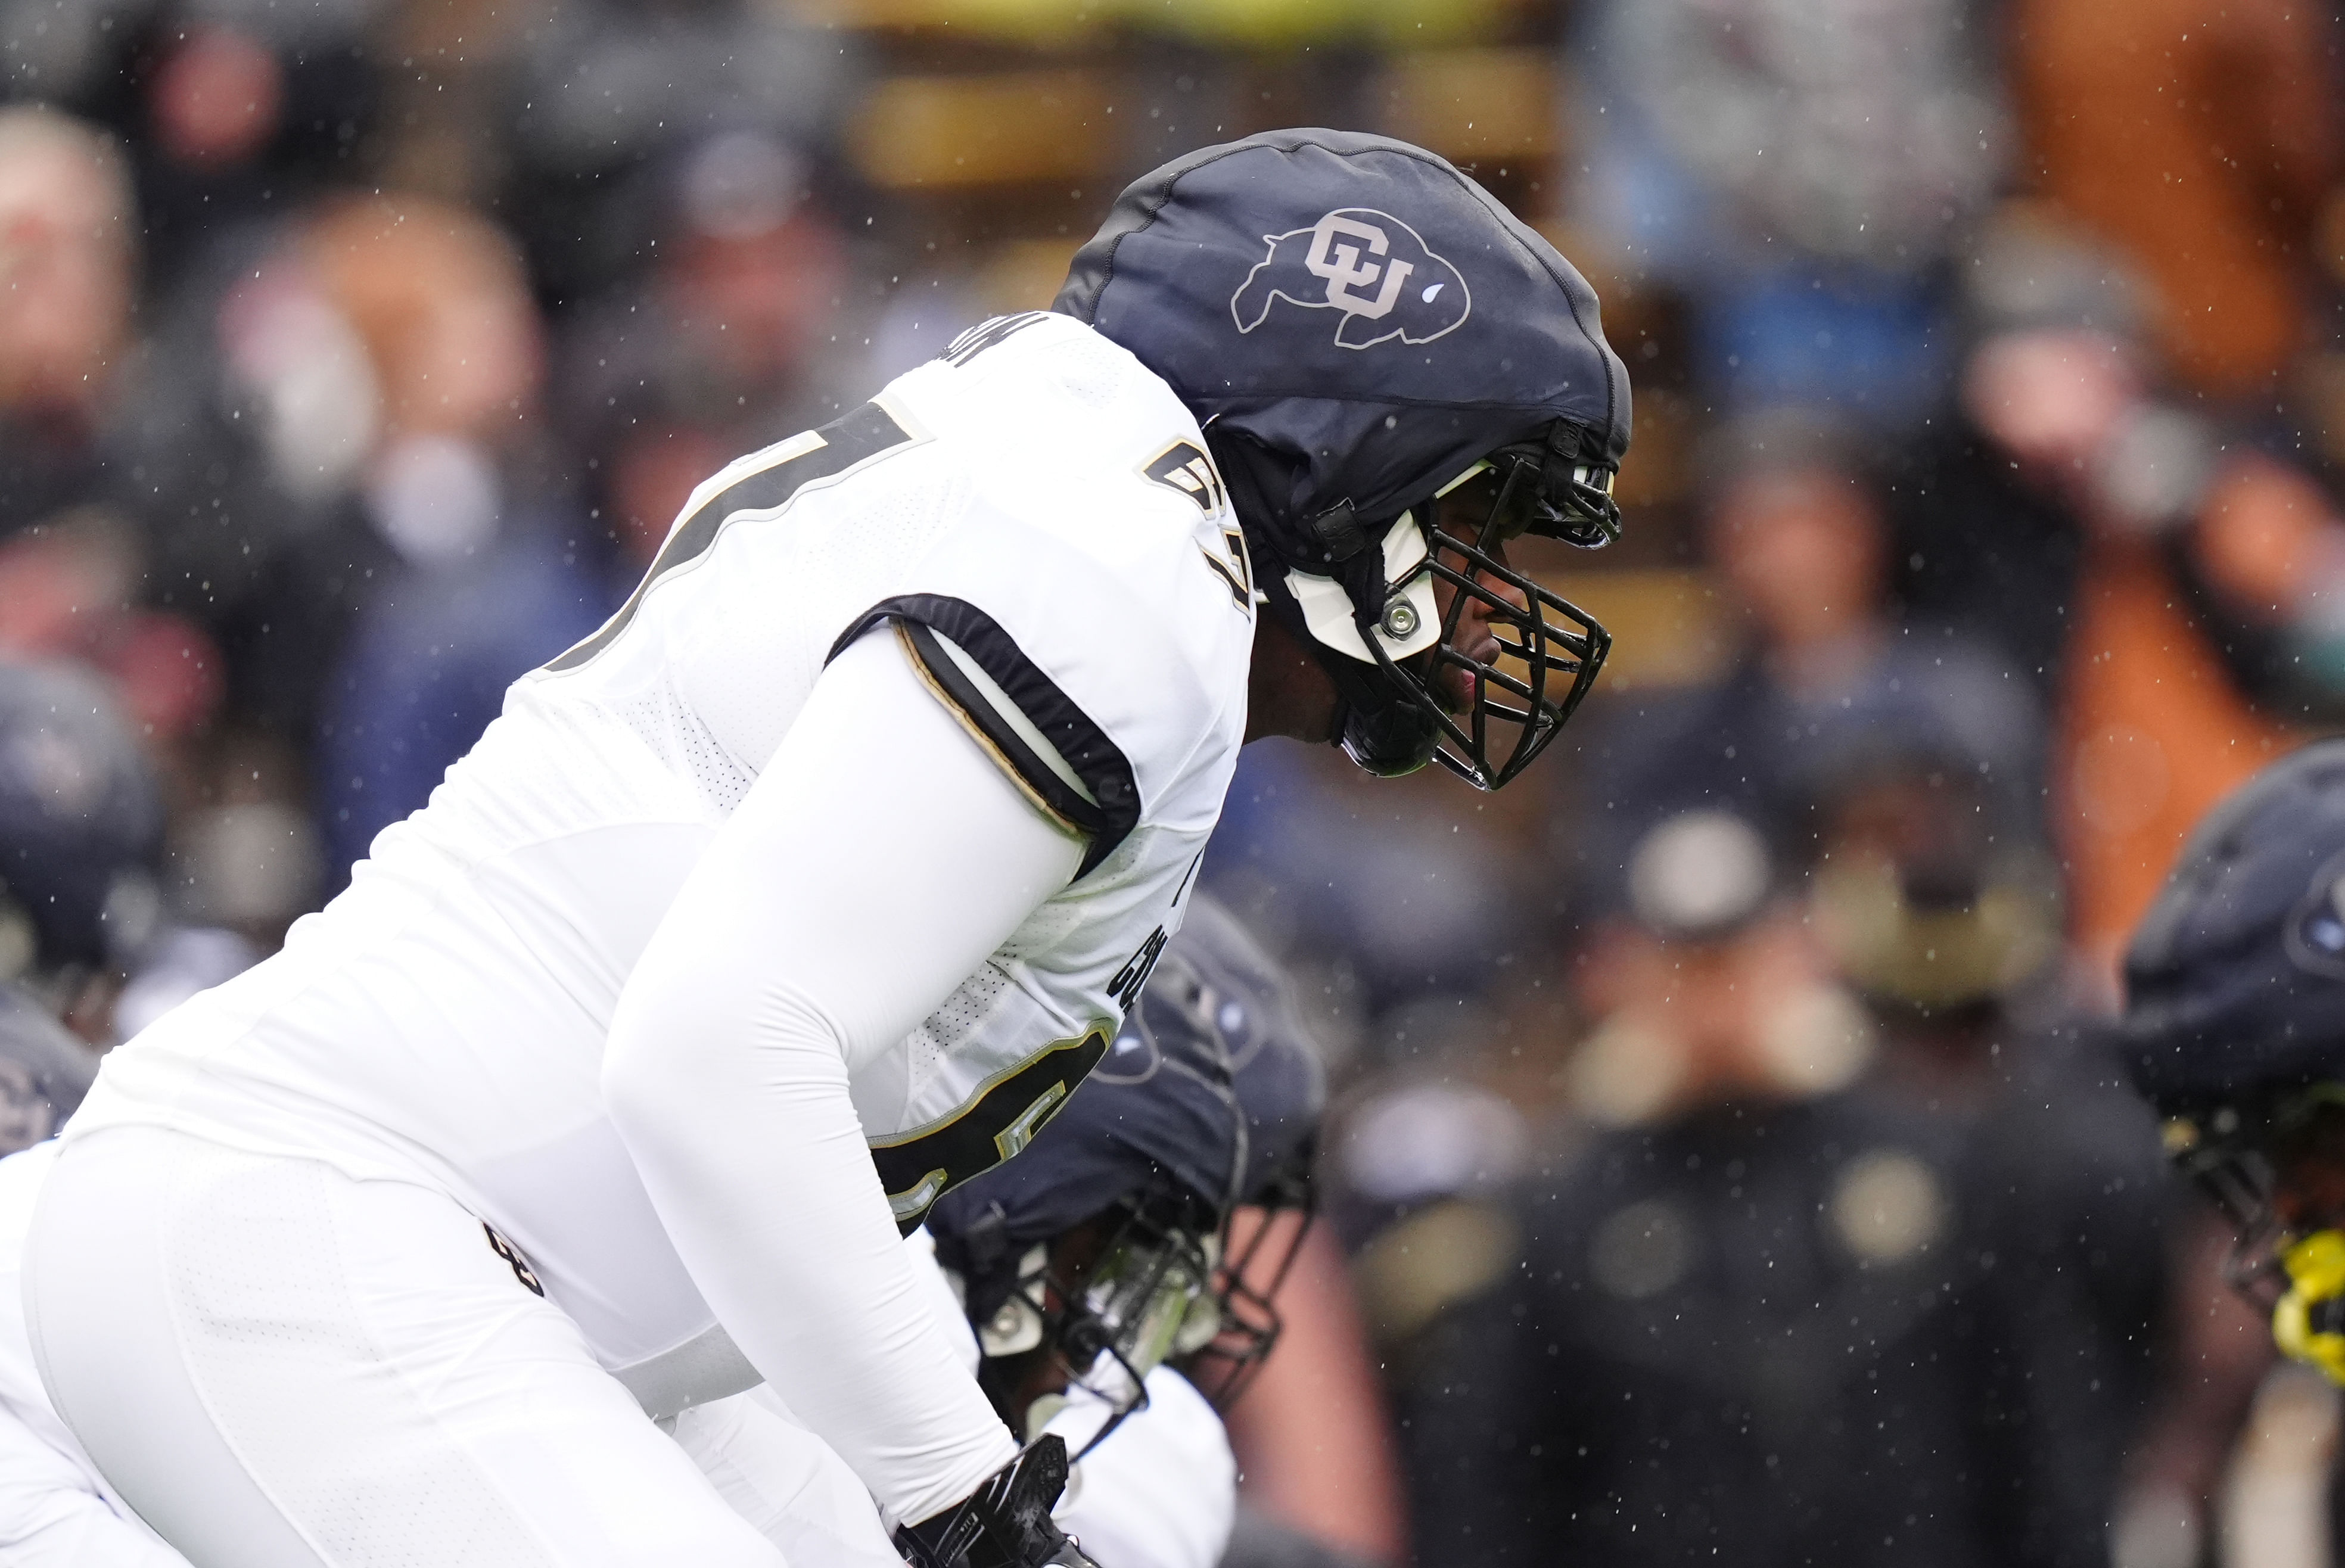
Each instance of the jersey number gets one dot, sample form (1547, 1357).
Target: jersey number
(921, 1167)
(854, 438)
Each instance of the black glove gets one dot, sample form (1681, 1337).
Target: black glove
(1004, 1524)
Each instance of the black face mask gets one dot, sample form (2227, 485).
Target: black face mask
(2236, 1155)
(1144, 1293)
(1167, 1281)
(1261, 1244)
(1483, 714)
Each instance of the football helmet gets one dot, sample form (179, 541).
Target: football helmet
(2235, 1030)
(1156, 1216)
(81, 827)
(1363, 333)
(43, 1072)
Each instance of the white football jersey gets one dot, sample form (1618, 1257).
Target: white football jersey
(1035, 518)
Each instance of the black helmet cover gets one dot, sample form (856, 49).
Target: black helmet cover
(2235, 981)
(1355, 324)
(1212, 1081)
(1359, 310)
(1209, 1100)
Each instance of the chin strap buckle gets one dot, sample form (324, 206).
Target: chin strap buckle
(1339, 532)
(1004, 1524)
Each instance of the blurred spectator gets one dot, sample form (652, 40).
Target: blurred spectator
(2200, 140)
(249, 107)
(1942, 911)
(1778, 1311)
(345, 479)
(86, 935)
(69, 230)
(342, 479)
(1796, 536)
(1935, 900)
(607, 96)
(234, 109)
(1409, 889)
(2174, 586)
(68, 589)
(70, 558)
(1800, 173)
(727, 342)
(487, 573)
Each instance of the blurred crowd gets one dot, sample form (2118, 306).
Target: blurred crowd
(1727, 1166)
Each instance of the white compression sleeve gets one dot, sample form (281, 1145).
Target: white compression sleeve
(878, 861)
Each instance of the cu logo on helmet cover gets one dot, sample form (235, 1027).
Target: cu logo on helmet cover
(1371, 267)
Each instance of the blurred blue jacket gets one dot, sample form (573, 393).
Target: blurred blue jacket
(427, 667)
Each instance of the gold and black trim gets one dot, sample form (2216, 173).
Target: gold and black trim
(1106, 819)
(1186, 469)
(1235, 568)
(919, 1166)
(1035, 779)
(855, 438)
(514, 1259)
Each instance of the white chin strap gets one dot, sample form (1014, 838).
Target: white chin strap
(1412, 622)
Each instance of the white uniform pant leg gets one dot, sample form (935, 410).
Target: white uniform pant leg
(280, 1367)
(54, 1515)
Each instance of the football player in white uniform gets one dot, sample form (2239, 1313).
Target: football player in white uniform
(811, 885)
(1097, 1254)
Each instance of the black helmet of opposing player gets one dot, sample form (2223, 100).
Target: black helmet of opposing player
(81, 828)
(2235, 1030)
(1396, 377)
(1155, 1216)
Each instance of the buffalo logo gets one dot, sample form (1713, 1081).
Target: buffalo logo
(1373, 267)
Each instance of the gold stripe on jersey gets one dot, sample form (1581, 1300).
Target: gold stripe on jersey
(976, 730)
(998, 1120)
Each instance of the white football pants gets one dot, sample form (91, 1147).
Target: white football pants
(280, 1367)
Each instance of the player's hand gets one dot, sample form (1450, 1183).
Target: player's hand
(1004, 1524)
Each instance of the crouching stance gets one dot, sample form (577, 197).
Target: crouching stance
(812, 887)
(1114, 1232)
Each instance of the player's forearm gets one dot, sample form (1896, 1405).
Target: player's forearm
(758, 1167)
(880, 858)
